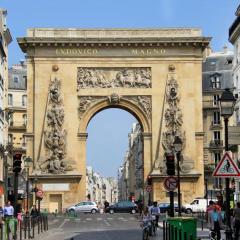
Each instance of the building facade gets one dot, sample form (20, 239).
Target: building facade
(234, 38)
(217, 76)
(5, 40)
(154, 74)
(100, 189)
(17, 122)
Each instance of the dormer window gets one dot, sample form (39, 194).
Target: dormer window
(215, 81)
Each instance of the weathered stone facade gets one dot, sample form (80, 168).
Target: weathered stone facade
(127, 69)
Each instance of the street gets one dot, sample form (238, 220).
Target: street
(95, 227)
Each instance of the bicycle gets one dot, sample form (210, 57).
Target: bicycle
(146, 229)
(154, 225)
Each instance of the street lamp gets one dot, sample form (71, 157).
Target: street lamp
(226, 104)
(27, 162)
(177, 144)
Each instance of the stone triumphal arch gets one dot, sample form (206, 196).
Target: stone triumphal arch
(75, 73)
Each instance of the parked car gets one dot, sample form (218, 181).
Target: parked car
(165, 207)
(123, 207)
(85, 206)
(198, 205)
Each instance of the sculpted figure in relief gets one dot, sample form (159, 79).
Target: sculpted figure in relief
(125, 77)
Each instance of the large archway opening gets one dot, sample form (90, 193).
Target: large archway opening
(114, 157)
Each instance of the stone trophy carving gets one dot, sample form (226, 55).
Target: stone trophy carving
(85, 102)
(54, 134)
(144, 103)
(114, 77)
(173, 122)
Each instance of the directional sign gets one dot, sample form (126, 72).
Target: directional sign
(226, 167)
(149, 188)
(170, 183)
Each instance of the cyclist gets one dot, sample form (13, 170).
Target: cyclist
(155, 211)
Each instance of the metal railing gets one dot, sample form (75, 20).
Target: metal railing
(28, 228)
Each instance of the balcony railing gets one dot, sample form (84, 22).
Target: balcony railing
(210, 104)
(216, 143)
(216, 125)
(17, 104)
(17, 124)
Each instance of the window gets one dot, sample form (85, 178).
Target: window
(10, 138)
(25, 119)
(216, 118)
(215, 82)
(216, 135)
(216, 98)
(15, 79)
(10, 99)
(24, 100)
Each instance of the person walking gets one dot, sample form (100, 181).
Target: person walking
(8, 210)
(215, 222)
(236, 215)
(106, 205)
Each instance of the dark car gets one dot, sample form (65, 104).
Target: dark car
(123, 207)
(165, 207)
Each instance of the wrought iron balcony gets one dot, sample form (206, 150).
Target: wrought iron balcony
(210, 105)
(17, 125)
(216, 143)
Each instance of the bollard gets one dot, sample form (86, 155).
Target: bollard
(164, 230)
(41, 224)
(33, 229)
(29, 227)
(191, 237)
(167, 231)
(25, 228)
(38, 222)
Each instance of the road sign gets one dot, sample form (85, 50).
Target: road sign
(149, 188)
(226, 167)
(39, 193)
(170, 183)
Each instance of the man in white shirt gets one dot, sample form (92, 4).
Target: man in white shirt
(8, 210)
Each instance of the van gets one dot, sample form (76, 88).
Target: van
(198, 205)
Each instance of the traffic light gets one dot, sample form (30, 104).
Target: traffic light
(170, 163)
(149, 180)
(17, 162)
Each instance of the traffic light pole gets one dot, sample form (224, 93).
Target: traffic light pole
(15, 193)
(171, 212)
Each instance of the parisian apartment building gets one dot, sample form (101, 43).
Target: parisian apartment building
(5, 40)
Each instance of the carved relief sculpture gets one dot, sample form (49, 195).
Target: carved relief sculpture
(54, 134)
(173, 121)
(114, 77)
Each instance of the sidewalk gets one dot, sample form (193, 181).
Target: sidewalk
(201, 233)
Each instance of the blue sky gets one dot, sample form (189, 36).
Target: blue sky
(109, 129)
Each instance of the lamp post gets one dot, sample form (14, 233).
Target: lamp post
(226, 104)
(27, 162)
(177, 144)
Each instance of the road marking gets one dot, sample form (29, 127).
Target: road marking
(120, 218)
(99, 219)
(77, 219)
(109, 218)
(89, 219)
(65, 220)
(107, 223)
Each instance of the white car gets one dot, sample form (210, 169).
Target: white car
(85, 206)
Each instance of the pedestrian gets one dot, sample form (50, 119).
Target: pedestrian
(106, 205)
(155, 211)
(140, 207)
(19, 217)
(34, 215)
(236, 215)
(215, 222)
(8, 210)
(209, 209)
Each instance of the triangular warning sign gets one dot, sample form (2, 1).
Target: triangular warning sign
(226, 167)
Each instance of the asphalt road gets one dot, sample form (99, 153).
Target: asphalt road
(95, 227)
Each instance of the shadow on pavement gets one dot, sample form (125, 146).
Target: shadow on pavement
(133, 234)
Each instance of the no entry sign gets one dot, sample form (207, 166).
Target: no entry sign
(170, 183)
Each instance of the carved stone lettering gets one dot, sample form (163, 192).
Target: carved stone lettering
(114, 77)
